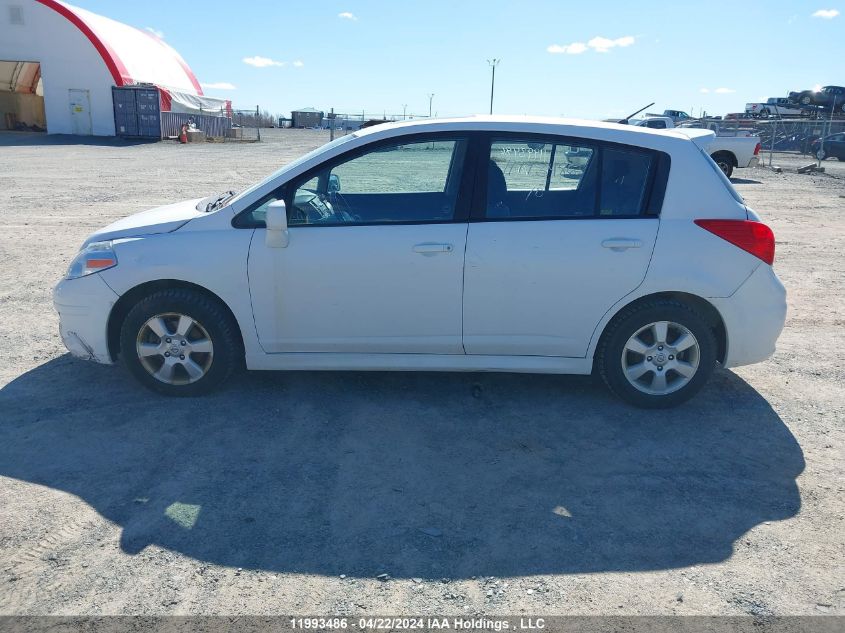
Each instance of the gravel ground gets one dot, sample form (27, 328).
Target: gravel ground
(504, 494)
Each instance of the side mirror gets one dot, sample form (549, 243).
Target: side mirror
(334, 183)
(277, 225)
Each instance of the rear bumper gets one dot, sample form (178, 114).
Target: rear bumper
(754, 317)
(84, 306)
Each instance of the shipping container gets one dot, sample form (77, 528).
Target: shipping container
(136, 112)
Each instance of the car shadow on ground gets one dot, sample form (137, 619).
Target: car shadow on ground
(412, 474)
(18, 139)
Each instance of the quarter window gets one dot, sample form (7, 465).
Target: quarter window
(624, 180)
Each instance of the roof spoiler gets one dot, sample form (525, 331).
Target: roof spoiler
(699, 136)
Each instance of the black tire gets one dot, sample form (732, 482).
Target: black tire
(209, 314)
(821, 154)
(725, 163)
(608, 359)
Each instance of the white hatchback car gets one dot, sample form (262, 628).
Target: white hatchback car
(478, 244)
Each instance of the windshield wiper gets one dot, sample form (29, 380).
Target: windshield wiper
(215, 204)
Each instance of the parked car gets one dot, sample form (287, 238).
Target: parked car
(774, 106)
(478, 244)
(731, 152)
(834, 147)
(826, 98)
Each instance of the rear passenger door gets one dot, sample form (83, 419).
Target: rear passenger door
(561, 230)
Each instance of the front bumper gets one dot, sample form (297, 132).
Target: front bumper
(84, 305)
(754, 317)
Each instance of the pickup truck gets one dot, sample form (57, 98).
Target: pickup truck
(774, 106)
(676, 115)
(729, 152)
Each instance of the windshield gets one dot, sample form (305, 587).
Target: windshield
(302, 159)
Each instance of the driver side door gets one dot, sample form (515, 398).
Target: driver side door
(375, 258)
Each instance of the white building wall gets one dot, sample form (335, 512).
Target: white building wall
(68, 61)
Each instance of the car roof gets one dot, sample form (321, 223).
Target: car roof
(599, 130)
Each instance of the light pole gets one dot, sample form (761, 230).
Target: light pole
(493, 63)
(404, 110)
(430, 99)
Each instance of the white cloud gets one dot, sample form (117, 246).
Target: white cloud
(826, 14)
(724, 91)
(704, 91)
(262, 62)
(299, 63)
(576, 48)
(156, 32)
(603, 44)
(218, 85)
(346, 15)
(598, 44)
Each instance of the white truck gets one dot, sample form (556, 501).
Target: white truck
(774, 106)
(729, 152)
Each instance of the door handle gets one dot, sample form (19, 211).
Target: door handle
(430, 248)
(621, 244)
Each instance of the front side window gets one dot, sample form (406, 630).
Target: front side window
(401, 183)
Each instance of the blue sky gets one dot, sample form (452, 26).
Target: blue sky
(587, 59)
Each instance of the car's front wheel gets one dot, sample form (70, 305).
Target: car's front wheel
(657, 353)
(180, 342)
(821, 154)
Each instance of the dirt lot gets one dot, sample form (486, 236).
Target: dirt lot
(502, 494)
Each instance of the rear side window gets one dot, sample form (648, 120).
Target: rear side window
(531, 179)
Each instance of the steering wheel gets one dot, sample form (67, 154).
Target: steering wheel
(313, 208)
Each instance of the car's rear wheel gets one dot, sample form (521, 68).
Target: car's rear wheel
(806, 99)
(180, 342)
(657, 353)
(723, 160)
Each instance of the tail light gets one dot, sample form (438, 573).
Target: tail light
(753, 237)
(758, 148)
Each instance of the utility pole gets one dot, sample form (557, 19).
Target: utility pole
(430, 99)
(493, 63)
(404, 111)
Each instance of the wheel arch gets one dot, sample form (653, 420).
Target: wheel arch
(703, 306)
(728, 154)
(128, 299)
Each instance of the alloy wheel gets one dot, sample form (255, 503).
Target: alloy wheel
(174, 349)
(660, 358)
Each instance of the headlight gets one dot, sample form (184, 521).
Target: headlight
(92, 259)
